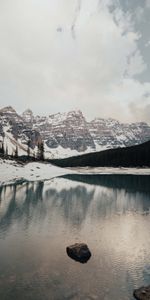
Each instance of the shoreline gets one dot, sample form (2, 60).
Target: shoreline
(13, 172)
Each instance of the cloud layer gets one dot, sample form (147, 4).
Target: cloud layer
(66, 54)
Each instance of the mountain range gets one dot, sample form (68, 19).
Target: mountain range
(67, 134)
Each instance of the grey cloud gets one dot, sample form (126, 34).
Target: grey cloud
(48, 68)
(147, 3)
(77, 12)
(141, 112)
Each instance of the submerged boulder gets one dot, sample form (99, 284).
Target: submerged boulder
(142, 293)
(79, 252)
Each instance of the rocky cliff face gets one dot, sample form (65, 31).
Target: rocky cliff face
(69, 133)
(110, 133)
(16, 132)
(68, 130)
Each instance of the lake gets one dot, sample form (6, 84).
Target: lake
(38, 220)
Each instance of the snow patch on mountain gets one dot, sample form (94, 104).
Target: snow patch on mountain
(66, 134)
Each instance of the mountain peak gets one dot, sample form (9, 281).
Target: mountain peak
(27, 112)
(8, 109)
(75, 113)
(28, 115)
(69, 131)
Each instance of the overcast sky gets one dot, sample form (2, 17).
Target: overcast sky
(92, 55)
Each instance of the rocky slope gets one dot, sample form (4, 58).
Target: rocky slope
(67, 134)
(109, 133)
(15, 132)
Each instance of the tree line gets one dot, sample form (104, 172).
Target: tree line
(38, 155)
(134, 156)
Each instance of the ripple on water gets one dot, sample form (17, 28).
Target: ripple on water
(38, 221)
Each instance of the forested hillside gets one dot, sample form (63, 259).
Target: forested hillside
(135, 156)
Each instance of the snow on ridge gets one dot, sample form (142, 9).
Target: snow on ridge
(61, 152)
(67, 134)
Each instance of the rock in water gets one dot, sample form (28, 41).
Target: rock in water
(79, 252)
(142, 293)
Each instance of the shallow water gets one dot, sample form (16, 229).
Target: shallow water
(110, 213)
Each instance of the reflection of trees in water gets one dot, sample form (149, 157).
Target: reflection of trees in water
(16, 209)
(134, 183)
(72, 203)
(34, 202)
(123, 193)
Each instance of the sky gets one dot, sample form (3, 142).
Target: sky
(62, 55)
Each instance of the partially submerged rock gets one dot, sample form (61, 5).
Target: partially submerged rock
(142, 293)
(79, 252)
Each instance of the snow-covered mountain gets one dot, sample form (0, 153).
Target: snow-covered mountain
(67, 134)
(14, 131)
(109, 133)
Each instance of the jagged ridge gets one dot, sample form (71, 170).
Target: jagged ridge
(68, 134)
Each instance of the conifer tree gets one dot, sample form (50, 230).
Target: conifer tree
(40, 151)
(2, 151)
(34, 156)
(6, 151)
(16, 152)
(28, 150)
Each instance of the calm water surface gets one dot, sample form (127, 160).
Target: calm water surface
(110, 213)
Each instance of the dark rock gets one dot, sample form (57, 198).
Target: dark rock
(79, 252)
(142, 293)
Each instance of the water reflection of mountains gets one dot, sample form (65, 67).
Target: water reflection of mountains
(32, 202)
(73, 201)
